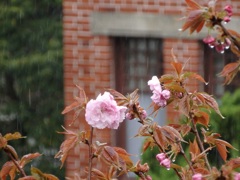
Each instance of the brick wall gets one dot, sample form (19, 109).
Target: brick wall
(88, 59)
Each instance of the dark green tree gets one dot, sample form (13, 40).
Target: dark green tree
(31, 83)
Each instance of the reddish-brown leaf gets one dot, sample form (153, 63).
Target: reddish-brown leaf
(229, 71)
(79, 103)
(194, 149)
(122, 153)
(192, 75)
(177, 67)
(201, 118)
(234, 163)
(110, 155)
(184, 105)
(194, 21)
(160, 139)
(192, 4)
(8, 169)
(119, 98)
(67, 145)
(13, 136)
(27, 158)
(222, 150)
(212, 103)
(98, 174)
(3, 141)
(39, 175)
(12, 151)
(171, 134)
(234, 33)
(202, 171)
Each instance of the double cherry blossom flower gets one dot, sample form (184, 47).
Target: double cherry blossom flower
(104, 112)
(159, 96)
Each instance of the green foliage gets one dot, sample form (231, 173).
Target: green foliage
(230, 126)
(31, 85)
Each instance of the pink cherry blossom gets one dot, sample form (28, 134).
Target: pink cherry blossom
(154, 83)
(228, 9)
(161, 157)
(197, 176)
(164, 160)
(209, 39)
(104, 112)
(159, 96)
(166, 163)
(237, 176)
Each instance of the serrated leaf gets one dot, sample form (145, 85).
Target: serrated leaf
(201, 118)
(193, 75)
(118, 97)
(13, 136)
(110, 155)
(98, 174)
(39, 175)
(8, 169)
(212, 103)
(177, 67)
(3, 142)
(80, 102)
(229, 71)
(67, 145)
(192, 4)
(160, 139)
(122, 153)
(222, 150)
(27, 158)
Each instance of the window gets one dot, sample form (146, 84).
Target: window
(136, 61)
(213, 65)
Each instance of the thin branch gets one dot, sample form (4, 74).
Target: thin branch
(200, 144)
(90, 155)
(186, 159)
(15, 162)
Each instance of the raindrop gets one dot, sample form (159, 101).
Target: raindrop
(227, 47)
(173, 160)
(168, 169)
(211, 46)
(180, 30)
(222, 51)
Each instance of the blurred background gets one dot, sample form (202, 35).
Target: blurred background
(31, 78)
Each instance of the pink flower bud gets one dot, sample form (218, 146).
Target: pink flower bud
(237, 176)
(166, 163)
(228, 9)
(209, 40)
(143, 114)
(197, 176)
(220, 48)
(129, 116)
(160, 157)
(226, 19)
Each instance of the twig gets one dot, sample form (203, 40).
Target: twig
(90, 155)
(195, 131)
(187, 160)
(15, 162)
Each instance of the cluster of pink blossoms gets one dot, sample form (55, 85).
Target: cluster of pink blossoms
(159, 96)
(221, 43)
(164, 160)
(104, 112)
